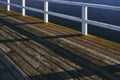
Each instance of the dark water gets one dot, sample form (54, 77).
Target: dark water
(107, 16)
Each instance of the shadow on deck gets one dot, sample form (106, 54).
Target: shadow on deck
(102, 72)
(76, 74)
(92, 30)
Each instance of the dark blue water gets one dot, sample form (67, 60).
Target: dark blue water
(107, 16)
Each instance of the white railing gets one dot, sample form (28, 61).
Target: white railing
(84, 18)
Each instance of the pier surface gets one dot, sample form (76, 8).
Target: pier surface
(34, 50)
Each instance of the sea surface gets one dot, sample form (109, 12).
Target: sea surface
(107, 16)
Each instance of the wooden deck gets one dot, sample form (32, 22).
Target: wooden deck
(33, 50)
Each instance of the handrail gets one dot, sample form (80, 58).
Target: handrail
(84, 18)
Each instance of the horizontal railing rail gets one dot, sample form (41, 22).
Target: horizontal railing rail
(84, 20)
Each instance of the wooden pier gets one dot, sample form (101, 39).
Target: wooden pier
(34, 50)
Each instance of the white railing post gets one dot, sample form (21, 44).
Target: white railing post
(23, 7)
(8, 5)
(84, 17)
(46, 11)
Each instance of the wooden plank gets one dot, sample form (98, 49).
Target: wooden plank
(88, 48)
(28, 58)
(4, 48)
(53, 31)
(30, 71)
(4, 72)
(23, 64)
(16, 71)
(44, 31)
(106, 41)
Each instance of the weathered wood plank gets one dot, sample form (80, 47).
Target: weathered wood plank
(4, 72)
(28, 50)
(14, 70)
(4, 48)
(27, 58)
(56, 29)
(101, 52)
(49, 33)
(27, 68)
